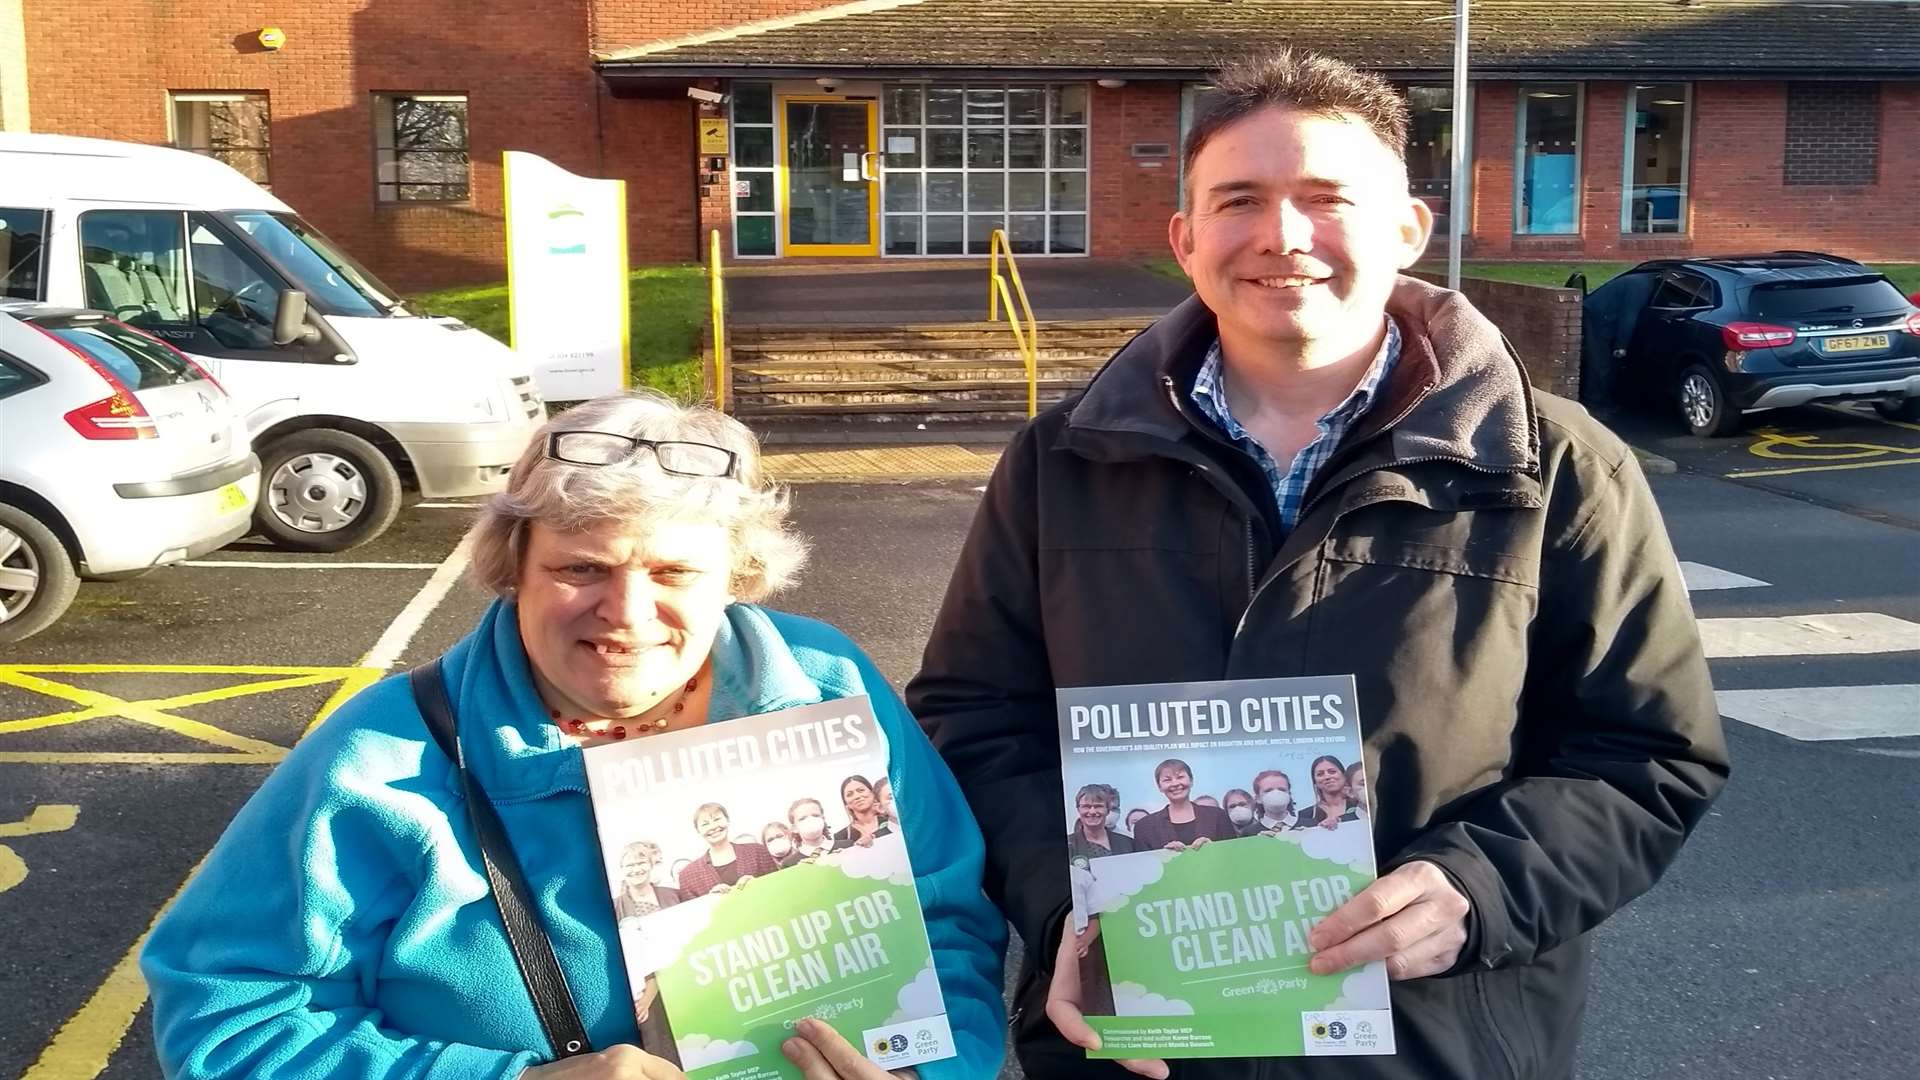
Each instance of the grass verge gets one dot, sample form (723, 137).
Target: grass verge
(667, 308)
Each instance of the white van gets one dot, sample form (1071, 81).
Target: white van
(347, 395)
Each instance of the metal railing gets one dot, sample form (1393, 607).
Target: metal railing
(717, 297)
(1028, 339)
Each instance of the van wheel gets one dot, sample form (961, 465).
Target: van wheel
(325, 490)
(1703, 404)
(1907, 409)
(37, 577)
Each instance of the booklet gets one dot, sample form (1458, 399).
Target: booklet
(1210, 826)
(759, 877)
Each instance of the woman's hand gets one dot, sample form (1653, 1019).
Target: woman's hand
(1174, 845)
(1084, 939)
(1201, 841)
(866, 839)
(621, 1062)
(1063, 1008)
(824, 1054)
(1330, 823)
(721, 888)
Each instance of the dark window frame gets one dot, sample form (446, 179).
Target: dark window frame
(31, 377)
(40, 269)
(385, 112)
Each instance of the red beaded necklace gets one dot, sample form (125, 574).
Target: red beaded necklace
(578, 726)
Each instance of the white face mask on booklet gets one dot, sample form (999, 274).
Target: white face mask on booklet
(1241, 814)
(779, 849)
(1276, 801)
(810, 828)
(1113, 820)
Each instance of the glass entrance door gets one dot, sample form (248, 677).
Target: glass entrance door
(831, 192)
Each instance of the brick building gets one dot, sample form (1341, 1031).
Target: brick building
(1616, 129)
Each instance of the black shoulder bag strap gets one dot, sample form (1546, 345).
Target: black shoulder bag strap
(532, 949)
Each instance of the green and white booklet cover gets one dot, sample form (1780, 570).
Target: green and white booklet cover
(1193, 921)
(728, 944)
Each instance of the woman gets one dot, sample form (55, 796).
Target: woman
(1133, 820)
(1273, 793)
(638, 894)
(1238, 803)
(1183, 823)
(779, 844)
(865, 823)
(727, 864)
(343, 926)
(1092, 837)
(1331, 805)
(810, 835)
(1357, 787)
(883, 790)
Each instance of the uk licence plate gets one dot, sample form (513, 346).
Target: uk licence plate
(232, 497)
(1857, 343)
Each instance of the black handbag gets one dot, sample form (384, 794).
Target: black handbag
(532, 949)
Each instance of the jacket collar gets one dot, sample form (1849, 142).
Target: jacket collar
(1456, 393)
(517, 755)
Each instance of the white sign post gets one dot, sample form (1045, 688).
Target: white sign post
(567, 277)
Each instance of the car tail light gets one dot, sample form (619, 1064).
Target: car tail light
(116, 417)
(1753, 335)
(167, 345)
(119, 415)
(1913, 322)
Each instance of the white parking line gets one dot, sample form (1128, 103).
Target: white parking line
(386, 652)
(446, 506)
(289, 564)
(1818, 713)
(1841, 634)
(1702, 578)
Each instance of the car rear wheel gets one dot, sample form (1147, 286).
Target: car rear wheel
(1703, 403)
(1907, 409)
(37, 577)
(325, 490)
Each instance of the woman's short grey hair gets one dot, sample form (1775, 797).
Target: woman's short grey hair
(766, 553)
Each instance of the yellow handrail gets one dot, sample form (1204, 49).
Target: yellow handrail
(717, 296)
(997, 293)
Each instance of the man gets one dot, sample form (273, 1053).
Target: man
(1317, 466)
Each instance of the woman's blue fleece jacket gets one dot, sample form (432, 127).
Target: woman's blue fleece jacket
(342, 927)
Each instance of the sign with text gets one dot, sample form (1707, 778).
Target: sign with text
(567, 277)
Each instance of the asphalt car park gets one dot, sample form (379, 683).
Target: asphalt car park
(1838, 455)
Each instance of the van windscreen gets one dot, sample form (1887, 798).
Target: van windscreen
(333, 282)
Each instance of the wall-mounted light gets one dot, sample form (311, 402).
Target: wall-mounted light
(1112, 84)
(827, 84)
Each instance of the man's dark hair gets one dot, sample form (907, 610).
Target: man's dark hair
(1305, 82)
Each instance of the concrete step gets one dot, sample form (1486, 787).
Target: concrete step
(932, 375)
(755, 412)
(884, 429)
(943, 387)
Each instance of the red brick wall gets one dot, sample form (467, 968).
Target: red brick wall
(1740, 201)
(524, 69)
(649, 143)
(1132, 198)
(618, 23)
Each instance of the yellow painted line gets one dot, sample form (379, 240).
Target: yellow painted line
(129, 757)
(13, 868)
(1822, 468)
(35, 723)
(174, 669)
(227, 693)
(84, 1044)
(109, 705)
(52, 817)
(1870, 414)
(349, 686)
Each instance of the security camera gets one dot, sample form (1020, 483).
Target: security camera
(711, 97)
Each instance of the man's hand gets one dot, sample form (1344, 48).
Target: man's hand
(1413, 918)
(621, 1062)
(1063, 1008)
(824, 1054)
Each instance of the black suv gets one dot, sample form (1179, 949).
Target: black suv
(1719, 338)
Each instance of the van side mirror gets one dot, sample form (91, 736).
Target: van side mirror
(290, 320)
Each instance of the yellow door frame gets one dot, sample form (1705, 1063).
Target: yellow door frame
(781, 177)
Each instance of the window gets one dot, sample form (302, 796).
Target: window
(1847, 296)
(1547, 160)
(962, 161)
(234, 297)
(16, 376)
(23, 255)
(1656, 180)
(1430, 152)
(753, 175)
(226, 127)
(133, 263)
(1680, 289)
(420, 147)
(135, 359)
